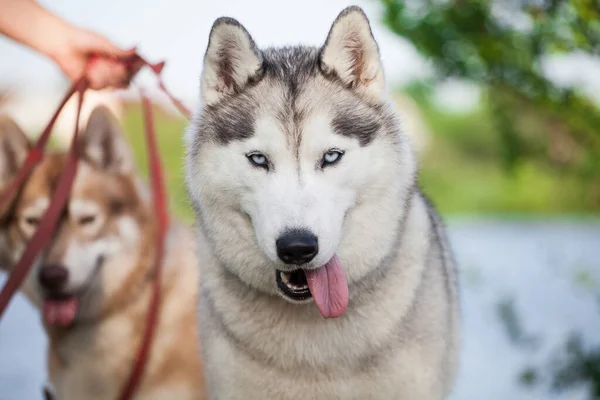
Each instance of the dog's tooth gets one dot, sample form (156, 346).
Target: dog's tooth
(297, 288)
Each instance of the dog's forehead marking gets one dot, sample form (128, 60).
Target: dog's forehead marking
(360, 123)
(292, 90)
(347, 113)
(37, 206)
(97, 185)
(81, 201)
(229, 121)
(83, 206)
(84, 173)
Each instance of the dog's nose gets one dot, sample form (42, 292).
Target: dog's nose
(297, 247)
(53, 277)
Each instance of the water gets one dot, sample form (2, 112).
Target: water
(537, 264)
(551, 270)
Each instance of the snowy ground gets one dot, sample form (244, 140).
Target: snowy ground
(551, 270)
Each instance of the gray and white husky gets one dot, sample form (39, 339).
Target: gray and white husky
(325, 271)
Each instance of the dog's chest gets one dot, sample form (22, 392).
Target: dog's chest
(360, 356)
(239, 373)
(84, 378)
(89, 361)
(234, 375)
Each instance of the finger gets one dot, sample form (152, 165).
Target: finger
(99, 44)
(73, 70)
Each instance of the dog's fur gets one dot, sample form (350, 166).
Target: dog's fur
(106, 240)
(399, 337)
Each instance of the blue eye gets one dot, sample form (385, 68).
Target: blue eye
(258, 160)
(331, 157)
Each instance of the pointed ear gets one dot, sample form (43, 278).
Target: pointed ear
(14, 147)
(352, 54)
(231, 60)
(103, 143)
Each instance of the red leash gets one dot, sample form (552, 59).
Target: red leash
(135, 62)
(44, 232)
(159, 198)
(160, 204)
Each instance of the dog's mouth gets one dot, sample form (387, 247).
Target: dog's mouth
(326, 285)
(293, 285)
(60, 309)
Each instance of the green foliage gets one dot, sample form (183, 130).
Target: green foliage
(501, 46)
(508, 315)
(462, 168)
(578, 365)
(573, 364)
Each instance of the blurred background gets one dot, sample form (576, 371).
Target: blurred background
(503, 100)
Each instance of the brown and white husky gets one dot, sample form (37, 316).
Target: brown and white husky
(93, 283)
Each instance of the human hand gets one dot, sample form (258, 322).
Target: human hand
(72, 54)
(69, 46)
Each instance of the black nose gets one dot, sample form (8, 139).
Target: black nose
(297, 247)
(53, 277)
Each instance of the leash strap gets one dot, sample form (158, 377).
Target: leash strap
(135, 62)
(160, 205)
(43, 234)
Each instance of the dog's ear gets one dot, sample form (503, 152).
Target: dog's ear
(231, 60)
(104, 144)
(14, 147)
(352, 54)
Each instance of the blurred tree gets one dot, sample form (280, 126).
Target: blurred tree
(502, 45)
(572, 365)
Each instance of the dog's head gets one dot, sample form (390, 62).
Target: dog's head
(97, 250)
(297, 161)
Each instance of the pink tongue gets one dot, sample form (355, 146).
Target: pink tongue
(60, 312)
(329, 288)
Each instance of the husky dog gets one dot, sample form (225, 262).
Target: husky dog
(325, 271)
(93, 282)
